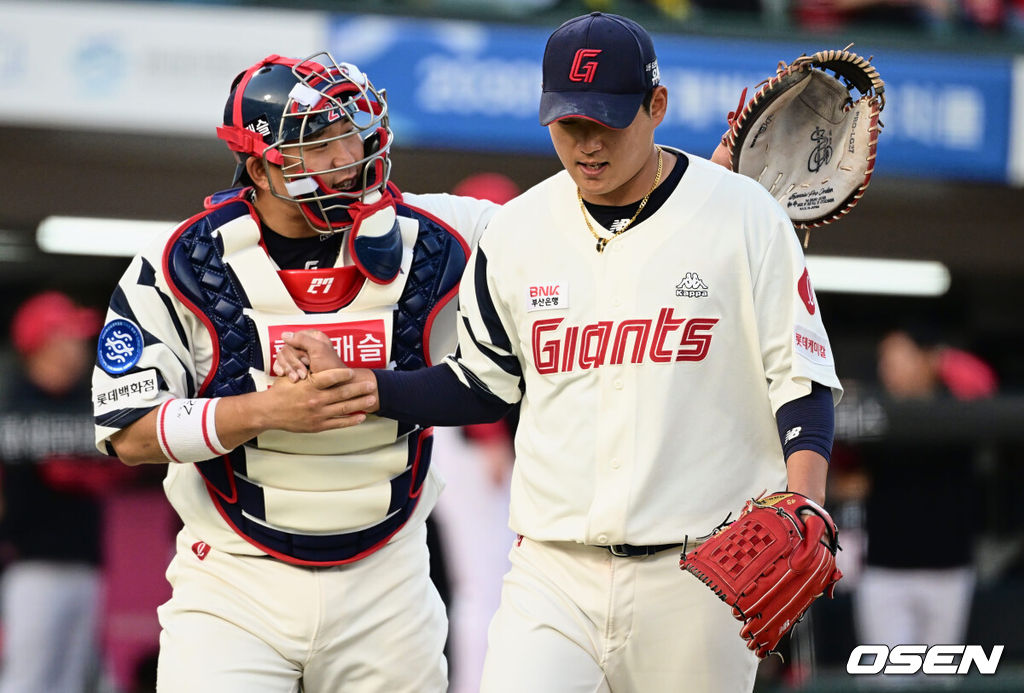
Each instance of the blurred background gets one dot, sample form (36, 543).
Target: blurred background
(107, 117)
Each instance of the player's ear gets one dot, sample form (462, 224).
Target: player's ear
(257, 173)
(659, 104)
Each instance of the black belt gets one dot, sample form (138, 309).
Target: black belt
(630, 551)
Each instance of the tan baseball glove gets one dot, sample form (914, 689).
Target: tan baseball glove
(810, 134)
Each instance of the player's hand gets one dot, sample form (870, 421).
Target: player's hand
(324, 400)
(355, 387)
(305, 351)
(721, 156)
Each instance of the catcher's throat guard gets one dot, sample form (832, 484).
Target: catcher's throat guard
(807, 139)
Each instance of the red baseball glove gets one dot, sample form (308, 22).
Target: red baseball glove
(769, 565)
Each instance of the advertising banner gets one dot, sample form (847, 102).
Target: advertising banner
(477, 86)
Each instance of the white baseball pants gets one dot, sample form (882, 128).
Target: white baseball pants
(575, 619)
(249, 624)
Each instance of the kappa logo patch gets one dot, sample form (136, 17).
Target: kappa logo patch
(691, 286)
(547, 296)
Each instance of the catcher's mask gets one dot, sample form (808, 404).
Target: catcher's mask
(279, 104)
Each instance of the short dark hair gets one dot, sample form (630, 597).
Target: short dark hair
(648, 97)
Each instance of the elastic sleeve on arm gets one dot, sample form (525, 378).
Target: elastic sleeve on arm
(434, 397)
(808, 423)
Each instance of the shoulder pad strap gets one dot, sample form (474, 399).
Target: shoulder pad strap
(225, 196)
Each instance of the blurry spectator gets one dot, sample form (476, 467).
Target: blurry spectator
(677, 9)
(496, 187)
(754, 6)
(917, 585)
(1015, 17)
(472, 512)
(476, 462)
(52, 477)
(829, 15)
(984, 15)
(937, 16)
(681, 9)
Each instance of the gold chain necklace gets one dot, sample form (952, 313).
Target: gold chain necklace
(601, 240)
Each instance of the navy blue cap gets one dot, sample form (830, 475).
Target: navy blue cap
(597, 66)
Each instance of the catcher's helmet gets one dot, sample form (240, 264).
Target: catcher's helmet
(279, 104)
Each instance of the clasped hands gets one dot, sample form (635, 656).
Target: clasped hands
(347, 394)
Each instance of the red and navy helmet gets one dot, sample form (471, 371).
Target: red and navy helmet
(279, 104)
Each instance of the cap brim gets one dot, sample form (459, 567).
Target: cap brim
(611, 110)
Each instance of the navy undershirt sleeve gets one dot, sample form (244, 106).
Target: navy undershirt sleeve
(435, 397)
(808, 423)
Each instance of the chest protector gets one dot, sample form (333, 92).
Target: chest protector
(315, 498)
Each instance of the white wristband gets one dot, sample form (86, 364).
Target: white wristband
(187, 430)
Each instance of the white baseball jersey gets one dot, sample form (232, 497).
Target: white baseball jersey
(201, 313)
(650, 373)
(307, 487)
